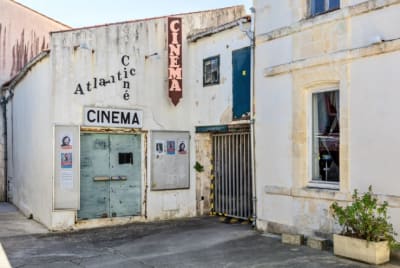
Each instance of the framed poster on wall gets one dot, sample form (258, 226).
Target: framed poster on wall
(66, 167)
(170, 160)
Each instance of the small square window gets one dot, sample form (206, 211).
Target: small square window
(321, 6)
(325, 136)
(125, 158)
(211, 71)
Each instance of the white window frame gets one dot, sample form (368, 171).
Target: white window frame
(212, 82)
(330, 185)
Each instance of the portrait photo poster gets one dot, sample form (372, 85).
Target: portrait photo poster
(182, 147)
(170, 147)
(159, 147)
(65, 141)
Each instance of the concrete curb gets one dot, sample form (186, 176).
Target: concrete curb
(4, 263)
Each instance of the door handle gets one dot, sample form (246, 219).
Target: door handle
(101, 178)
(119, 178)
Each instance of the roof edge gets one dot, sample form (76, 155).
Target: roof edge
(11, 83)
(220, 28)
(145, 19)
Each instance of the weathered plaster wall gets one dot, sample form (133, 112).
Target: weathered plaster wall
(212, 105)
(374, 109)
(23, 34)
(30, 145)
(332, 51)
(78, 56)
(203, 179)
(279, 13)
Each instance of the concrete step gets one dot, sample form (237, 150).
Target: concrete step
(317, 243)
(293, 239)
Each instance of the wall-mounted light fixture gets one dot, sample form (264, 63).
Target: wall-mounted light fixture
(83, 46)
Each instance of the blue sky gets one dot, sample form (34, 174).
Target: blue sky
(78, 13)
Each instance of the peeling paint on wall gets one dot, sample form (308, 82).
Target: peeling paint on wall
(24, 33)
(25, 49)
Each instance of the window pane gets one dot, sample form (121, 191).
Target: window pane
(207, 72)
(317, 6)
(326, 133)
(211, 71)
(334, 4)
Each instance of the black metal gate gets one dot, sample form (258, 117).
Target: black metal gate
(232, 175)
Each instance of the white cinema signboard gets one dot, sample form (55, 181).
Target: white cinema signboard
(104, 117)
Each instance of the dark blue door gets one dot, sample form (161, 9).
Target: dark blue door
(241, 83)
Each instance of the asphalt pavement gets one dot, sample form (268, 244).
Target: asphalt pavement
(196, 242)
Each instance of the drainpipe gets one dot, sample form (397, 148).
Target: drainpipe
(3, 102)
(250, 34)
(252, 115)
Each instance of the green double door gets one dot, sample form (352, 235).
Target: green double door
(110, 175)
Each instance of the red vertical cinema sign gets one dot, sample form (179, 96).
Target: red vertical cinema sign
(175, 59)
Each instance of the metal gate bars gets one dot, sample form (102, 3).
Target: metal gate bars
(232, 175)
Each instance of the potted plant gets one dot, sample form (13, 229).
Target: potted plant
(366, 232)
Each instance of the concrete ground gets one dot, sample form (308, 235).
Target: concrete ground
(196, 242)
(13, 223)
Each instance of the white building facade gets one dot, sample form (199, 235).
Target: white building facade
(102, 128)
(24, 33)
(326, 86)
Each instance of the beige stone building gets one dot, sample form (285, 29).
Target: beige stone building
(326, 91)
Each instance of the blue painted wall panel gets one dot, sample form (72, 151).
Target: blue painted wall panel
(241, 82)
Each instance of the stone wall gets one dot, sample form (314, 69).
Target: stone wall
(203, 179)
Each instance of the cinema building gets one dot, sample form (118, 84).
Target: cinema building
(107, 125)
(23, 34)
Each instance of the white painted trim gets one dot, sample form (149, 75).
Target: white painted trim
(312, 90)
(336, 57)
(324, 193)
(323, 185)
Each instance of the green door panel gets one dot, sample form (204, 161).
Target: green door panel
(110, 175)
(125, 163)
(94, 163)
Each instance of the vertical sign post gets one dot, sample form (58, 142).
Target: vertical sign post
(175, 59)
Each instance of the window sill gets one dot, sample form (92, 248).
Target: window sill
(322, 13)
(308, 193)
(211, 84)
(323, 185)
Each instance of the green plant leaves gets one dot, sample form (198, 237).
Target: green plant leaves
(365, 218)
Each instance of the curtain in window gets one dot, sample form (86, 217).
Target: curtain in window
(326, 132)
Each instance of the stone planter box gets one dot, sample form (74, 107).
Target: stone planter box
(359, 249)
